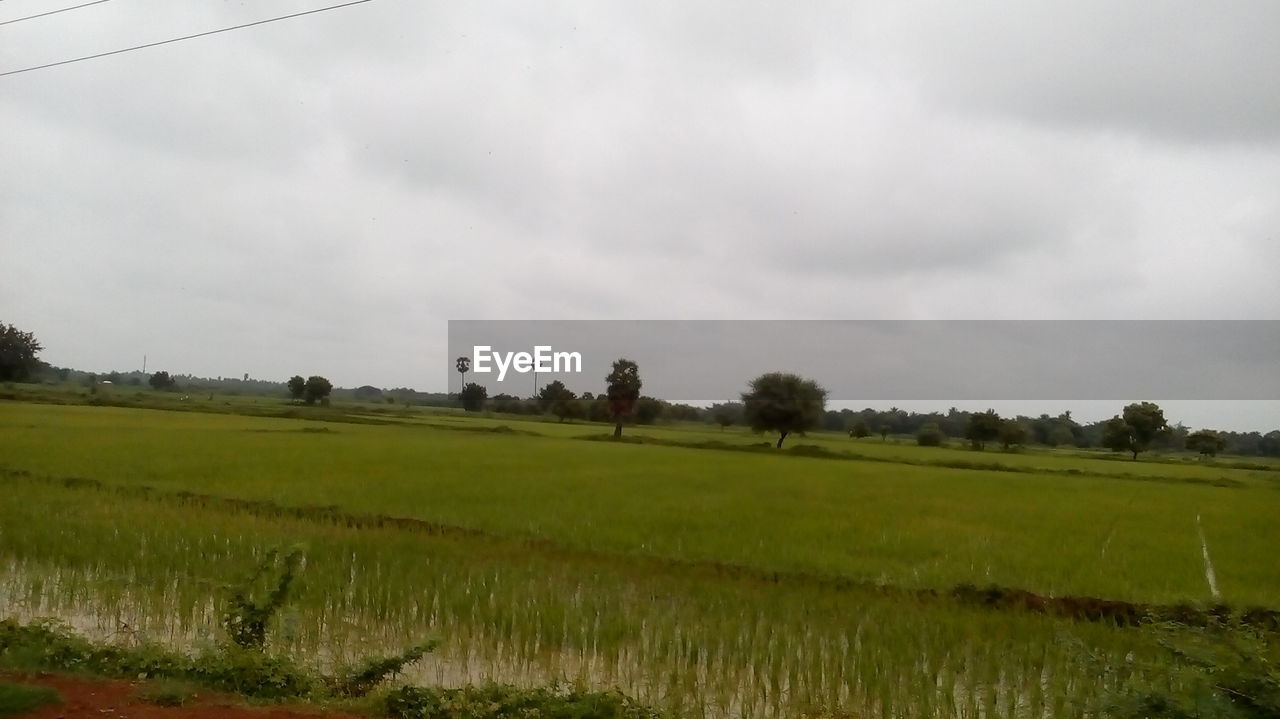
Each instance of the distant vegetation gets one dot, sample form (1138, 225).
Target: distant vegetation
(1139, 428)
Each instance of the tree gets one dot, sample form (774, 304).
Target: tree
(1173, 438)
(297, 387)
(982, 428)
(648, 410)
(783, 403)
(463, 365)
(623, 391)
(161, 381)
(726, 413)
(18, 352)
(1012, 433)
(1135, 429)
(473, 397)
(504, 403)
(559, 400)
(859, 430)
(316, 388)
(1060, 435)
(1269, 444)
(569, 408)
(1206, 442)
(598, 410)
(680, 412)
(551, 392)
(930, 435)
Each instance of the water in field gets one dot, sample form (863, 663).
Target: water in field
(693, 649)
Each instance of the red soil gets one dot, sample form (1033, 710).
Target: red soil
(86, 698)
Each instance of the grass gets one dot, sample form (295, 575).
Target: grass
(702, 581)
(908, 525)
(16, 699)
(686, 640)
(168, 693)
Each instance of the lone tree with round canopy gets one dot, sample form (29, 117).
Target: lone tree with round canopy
(316, 389)
(783, 403)
(622, 391)
(1134, 430)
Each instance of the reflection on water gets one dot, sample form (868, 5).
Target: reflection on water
(742, 664)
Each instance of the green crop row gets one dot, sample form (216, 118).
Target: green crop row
(872, 521)
(154, 569)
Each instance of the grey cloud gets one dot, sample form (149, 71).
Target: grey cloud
(326, 192)
(1182, 70)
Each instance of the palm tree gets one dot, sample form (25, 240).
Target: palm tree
(464, 365)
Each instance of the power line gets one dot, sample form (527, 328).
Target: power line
(185, 37)
(54, 12)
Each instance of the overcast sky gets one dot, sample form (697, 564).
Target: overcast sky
(321, 195)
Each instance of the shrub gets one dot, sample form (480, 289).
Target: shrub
(361, 680)
(246, 617)
(930, 436)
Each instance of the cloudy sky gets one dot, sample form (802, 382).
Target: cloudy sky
(321, 195)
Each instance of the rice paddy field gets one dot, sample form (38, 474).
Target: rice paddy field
(692, 570)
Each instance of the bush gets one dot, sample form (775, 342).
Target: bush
(49, 646)
(359, 681)
(930, 436)
(251, 673)
(245, 619)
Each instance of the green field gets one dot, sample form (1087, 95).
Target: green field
(707, 580)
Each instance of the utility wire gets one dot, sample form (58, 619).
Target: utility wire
(185, 37)
(54, 12)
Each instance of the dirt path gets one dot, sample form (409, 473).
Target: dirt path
(85, 698)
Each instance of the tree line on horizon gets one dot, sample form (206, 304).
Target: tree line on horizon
(776, 401)
(785, 403)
